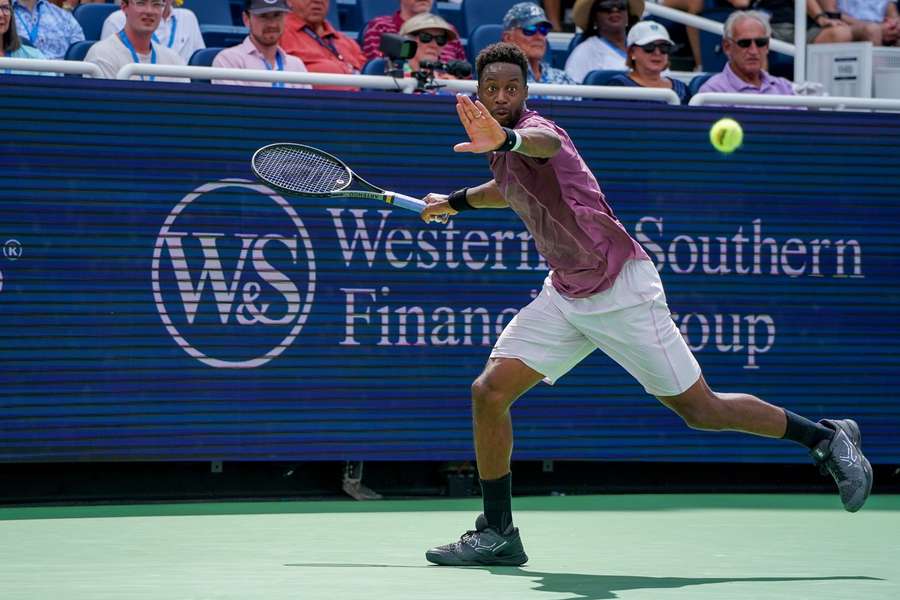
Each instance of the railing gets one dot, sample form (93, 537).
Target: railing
(68, 67)
(834, 102)
(389, 83)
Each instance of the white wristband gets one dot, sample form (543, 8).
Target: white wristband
(518, 141)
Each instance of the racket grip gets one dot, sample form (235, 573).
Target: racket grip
(404, 201)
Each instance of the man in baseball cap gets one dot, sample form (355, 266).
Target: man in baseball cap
(260, 50)
(525, 25)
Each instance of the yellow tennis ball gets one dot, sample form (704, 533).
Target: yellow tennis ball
(726, 135)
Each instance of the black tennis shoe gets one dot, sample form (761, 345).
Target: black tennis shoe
(481, 546)
(842, 457)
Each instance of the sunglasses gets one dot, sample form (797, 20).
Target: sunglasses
(611, 6)
(664, 47)
(542, 28)
(439, 39)
(761, 42)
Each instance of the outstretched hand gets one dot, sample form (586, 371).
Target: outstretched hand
(485, 133)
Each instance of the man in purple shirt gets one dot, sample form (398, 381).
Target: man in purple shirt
(603, 292)
(746, 43)
(260, 49)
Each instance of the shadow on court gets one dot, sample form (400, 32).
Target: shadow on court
(581, 586)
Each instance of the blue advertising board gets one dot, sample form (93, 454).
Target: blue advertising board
(157, 303)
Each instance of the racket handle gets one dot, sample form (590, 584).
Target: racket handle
(404, 201)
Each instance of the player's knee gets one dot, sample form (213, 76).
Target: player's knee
(488, 398)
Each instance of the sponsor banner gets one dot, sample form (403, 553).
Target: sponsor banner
(157, 303)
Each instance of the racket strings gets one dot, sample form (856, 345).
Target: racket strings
(299, 171)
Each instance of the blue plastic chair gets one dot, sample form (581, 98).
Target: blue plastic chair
(204, 57)
(601, 76)
(485, 12)
(223, 36)
(482, 37)
(375, 66)
(91, 18)
(79, 50)
(697, 82)
(576, 39)
(210, 12)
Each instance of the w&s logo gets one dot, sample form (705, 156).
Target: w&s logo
(233, 274)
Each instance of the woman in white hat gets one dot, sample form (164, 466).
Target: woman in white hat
(432, 34)
(649, 47)
(604, 24)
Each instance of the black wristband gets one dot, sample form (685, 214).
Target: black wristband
(510, 142)
(833, 15)
(457, 200)
(821, 14)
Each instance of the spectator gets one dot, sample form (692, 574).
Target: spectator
(178, 30)
(310, 37)
(265, 20)
(47, 27)
(526, 26)
(393, 23)
(432, 34)
(880, 17)
(649, 47)
(134, 44)
(604, 24)
(10, 45)
(820, 27)
(746, 43)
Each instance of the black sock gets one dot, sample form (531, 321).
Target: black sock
(497, 496)
(803, 431)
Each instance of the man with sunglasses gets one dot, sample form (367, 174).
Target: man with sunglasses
(378, 26)
(746, 43)
(526, 26)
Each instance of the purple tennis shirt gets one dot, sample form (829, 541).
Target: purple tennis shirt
(563, 208)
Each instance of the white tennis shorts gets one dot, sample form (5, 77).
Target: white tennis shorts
(630, 322)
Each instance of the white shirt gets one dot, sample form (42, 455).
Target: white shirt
(594, 54)
(111, 55)
(187, 36)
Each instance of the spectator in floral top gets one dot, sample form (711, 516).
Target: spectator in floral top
(392, 24)
(526, 26)
(47, 27)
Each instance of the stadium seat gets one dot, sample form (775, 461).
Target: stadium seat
(576, 39)
(481, 37)
(91, 18)
(601, 76)
(375, 66)
(697, 82)
(79, 50)
(222, 36)
(210, 12)
(204, 57)
(484, 12)
(333, 16)
(369, 9)
(711, 43)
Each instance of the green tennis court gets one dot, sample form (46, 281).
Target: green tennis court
(580, 547)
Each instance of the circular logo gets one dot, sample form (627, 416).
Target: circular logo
(12, 249)
(233, 274)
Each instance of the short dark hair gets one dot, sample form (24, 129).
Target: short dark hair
(502, 53)
(11, 41)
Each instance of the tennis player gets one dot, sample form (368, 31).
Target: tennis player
(602, 292)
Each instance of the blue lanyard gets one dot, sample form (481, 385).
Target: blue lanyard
(279, 66)
(134, 54)
(327, 44)
(171, 33)
(36, 26)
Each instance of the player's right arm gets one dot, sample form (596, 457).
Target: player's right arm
(486, 195)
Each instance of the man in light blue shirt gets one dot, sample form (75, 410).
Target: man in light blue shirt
(47, 27)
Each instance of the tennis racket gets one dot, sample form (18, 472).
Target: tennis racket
(310, 172)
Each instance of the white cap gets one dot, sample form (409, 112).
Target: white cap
(645, 32)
